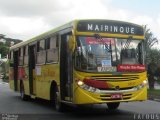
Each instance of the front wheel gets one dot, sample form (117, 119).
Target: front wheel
(59, 106)
(113, 106)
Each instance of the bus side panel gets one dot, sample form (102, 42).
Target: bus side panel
(21, 76)
(38, 80)
(26, 80)
(41, 84)
(49, 73)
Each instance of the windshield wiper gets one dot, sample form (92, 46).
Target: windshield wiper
(107, 46)
(126, 45)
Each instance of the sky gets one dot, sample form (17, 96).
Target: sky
(24, 19)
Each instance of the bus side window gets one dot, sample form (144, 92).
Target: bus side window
(52, 49)
(41, 45)
(20, 52)
(25, 54)
(47, 42)
(11, 58)
(38, 46)
(41, 53)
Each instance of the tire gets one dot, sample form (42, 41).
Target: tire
(22, 93)
(113, 106)
(58, 105)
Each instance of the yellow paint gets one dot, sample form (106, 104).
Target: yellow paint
(67, 98)
(110, 35)
(33, 96)
(34, 82)
(11, 84)
(26, 87)
(50, 72)
(84, 97)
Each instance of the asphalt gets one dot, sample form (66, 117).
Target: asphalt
(11, 104)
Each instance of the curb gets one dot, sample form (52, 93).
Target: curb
(154, 98)
(3, 83)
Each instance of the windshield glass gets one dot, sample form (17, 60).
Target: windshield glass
(105, 54)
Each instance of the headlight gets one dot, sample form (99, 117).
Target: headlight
(82, 85)
(144, 83)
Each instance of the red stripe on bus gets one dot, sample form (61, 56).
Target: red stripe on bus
(96, 83)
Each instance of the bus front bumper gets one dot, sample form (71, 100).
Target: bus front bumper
(82, 96)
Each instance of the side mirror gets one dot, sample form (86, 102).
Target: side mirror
(71, 43)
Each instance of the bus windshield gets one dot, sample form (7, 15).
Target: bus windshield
(93, 54)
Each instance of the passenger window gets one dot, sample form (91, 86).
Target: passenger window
(41, 53)
(52, 51)
(20, 52)
(25, 53)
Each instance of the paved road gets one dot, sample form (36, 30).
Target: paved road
(11, 104)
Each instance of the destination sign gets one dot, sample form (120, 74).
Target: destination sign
(109, 26)
(128, 67)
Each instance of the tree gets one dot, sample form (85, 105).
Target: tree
(4, 50)
(150, 41)
(151, 73)
(4, 46)
(5, 43)
(152, 56)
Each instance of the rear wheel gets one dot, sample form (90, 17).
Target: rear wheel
(113, 106)
(22, 93)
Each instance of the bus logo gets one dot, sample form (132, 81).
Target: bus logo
(117, 88)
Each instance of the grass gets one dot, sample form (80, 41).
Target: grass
(158, 81)
(154, 92)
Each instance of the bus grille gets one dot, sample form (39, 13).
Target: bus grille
(126, 88)
(115, 78)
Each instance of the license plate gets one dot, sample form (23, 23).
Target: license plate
(116, 96)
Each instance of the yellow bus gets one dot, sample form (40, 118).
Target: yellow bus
(82, 62)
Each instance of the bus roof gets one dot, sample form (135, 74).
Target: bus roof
(74, 23)
(43, 35)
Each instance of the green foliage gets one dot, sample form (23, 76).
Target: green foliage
(154, 92)
(158, 81)
(150, 40)
(4, 49)
(152, 55)
(5, 70)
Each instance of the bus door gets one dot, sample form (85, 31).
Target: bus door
(32, 82)
(15, 58)
(66, 70)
